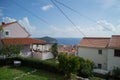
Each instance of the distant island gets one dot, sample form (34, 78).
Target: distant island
(65, 41)
(48, 39)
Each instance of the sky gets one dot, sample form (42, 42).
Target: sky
(94, 18)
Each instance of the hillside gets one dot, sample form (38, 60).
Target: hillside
(48, 39)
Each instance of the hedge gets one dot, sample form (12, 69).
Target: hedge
(34, 63)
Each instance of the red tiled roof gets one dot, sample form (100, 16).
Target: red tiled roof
(6, 24)
(13, 41)
(94, 42)
(114, 42)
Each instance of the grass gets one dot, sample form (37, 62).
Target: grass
(10, 72)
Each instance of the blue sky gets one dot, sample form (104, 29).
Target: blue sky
(96, 18)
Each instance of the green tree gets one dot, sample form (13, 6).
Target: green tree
(86, 68)
(10, 50)
(54, 50)
(68, 64)
(1, 30)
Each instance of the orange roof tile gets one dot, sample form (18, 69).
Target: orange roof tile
(94, 42)
(114, 42)
(14, 41)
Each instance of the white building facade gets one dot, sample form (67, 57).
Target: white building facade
(104, 52)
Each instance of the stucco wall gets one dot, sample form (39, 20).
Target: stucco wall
(15, 31)
(42, 56)
(26, 51)
(113, 61)
(92, 54)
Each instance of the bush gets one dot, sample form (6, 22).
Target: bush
(39, 64)
(86, 68)
(7, 61)
(68, 64)
(116, 73)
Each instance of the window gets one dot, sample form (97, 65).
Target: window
(117, 53)
(99, 66)
(7, 33)
(99, 51)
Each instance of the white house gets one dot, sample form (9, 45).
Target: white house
(13, 34)
(104, 52)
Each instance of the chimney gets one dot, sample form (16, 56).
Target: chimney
(3, 23)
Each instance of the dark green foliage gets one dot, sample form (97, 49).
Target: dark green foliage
(48, 39)
(86, 68)
(10, 50)
(39, 64)
(68, 64)
(116, 73)
(54, 50)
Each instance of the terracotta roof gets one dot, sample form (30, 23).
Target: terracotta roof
(7, 24)
(13, 41)
(114, 42)
(94, 42)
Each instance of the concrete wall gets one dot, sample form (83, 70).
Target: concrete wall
(15, 31)
(113, 61)
(92, 54)
(43, 56)
(26, 51)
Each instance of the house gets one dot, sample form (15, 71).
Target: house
(14, 34)
(104, 52)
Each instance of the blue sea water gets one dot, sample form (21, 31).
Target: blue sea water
(68, 41)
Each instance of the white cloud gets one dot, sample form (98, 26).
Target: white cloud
(106, 26)
(8, 19)
(25, 23)
(47, 7)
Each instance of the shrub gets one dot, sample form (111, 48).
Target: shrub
(86, 68)
(39, 64)
(68, 64)
(116, 73)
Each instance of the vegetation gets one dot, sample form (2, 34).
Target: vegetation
(54, 50)
(10, 50)
(116, 73)
(86, 68)
(68, 64)
(48, 39)
(10, 72)
(95, 78)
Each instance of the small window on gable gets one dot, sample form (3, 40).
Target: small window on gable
(117, 53)
(6, 33)
(100, 51)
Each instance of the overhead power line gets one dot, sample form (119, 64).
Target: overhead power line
(88, 18)
(74, 25)
(38, 17)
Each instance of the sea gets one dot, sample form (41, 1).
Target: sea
(68, 41)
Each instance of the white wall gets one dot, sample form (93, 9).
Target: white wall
(113, 61)
(26, 51)
(92, 54)
(43, 56)
(15, 31)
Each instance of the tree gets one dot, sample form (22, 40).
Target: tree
(54, 50)
(10, 50)
(68, 64)
(86, 68)
(1, 30)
